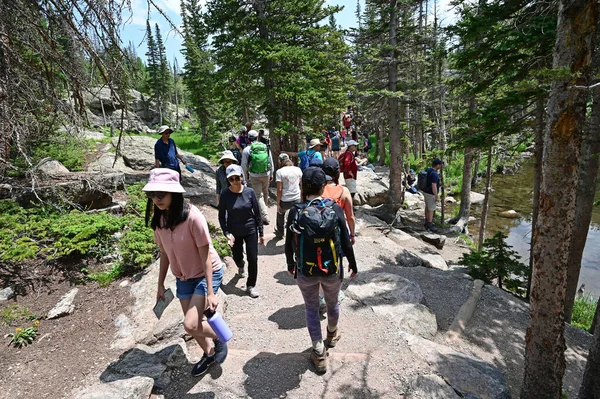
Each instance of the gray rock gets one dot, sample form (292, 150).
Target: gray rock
(416, 319)
(376, 289)
(431, 387)
(476, 198)
(450, 200)
(371, 188)
(65, 306)
(468, 376)
(157, 363)
(130, 388)
(5, 191)
(419, 253)
(6, 294)
(414, 201)
(51, 168)
(436, 240)
(511, 214)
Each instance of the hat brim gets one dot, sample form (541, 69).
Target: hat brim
(165, 187)
(236, 173)
(230, 158)
(166, 131)
(313, 146)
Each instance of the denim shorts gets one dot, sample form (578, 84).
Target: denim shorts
(187, 288)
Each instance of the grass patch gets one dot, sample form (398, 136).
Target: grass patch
(191, 140)
(13, 313)
(583, 312)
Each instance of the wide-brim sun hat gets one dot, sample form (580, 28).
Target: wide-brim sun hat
(164, 128)
(252, 134)
(351, 142)
(227, 155)
(234, 170)
(314, 143)
(163, 179)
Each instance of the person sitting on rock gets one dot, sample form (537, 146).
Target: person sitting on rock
(362, 161)
(165, 151)
(410, 182)
(181, 232)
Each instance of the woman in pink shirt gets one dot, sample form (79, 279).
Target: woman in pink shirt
(181, 232)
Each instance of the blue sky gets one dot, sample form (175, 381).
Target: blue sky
(135, 29)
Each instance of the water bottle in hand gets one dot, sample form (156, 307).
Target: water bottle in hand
(216, 322)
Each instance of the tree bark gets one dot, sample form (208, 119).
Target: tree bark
(545, 343)
(381, 145)
(486, 200)
(395, 194)
(590, 386)
(537, 177)
(461, 221)
(5, 125)
(586, 189)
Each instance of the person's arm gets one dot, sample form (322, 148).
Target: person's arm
(434, 191)
(177, 154)
(345, 240)
(257, 217)
(163, 269)
(289, 241)
(279, 194)
(349, 212)
(271, 166)
(157, 161)
(222, 215)
(211, 298)
(219, 188)
(245, 156)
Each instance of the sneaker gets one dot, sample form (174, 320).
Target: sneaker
(220, 351)
(202, 366)
(319, 360)
(252, 292)
(242, 272)
(278, 235)
(332, 338)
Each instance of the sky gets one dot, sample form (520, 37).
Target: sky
(135, 27)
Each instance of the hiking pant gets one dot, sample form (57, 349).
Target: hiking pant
(251, 241)
(285, 206)
(260, 185)
(309, 287)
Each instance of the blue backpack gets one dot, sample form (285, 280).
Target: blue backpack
(306, 159)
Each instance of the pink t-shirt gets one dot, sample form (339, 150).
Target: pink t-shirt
(181, 246)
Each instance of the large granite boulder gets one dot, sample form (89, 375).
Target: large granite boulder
(129, 388)
(371, 188)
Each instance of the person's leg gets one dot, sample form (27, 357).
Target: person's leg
(265, 189)
(309, 287)
(285, 206)
(237, 252)
(331, 289)
(194, 324)
(252, 257)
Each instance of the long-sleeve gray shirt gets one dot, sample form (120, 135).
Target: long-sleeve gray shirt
(246, 164)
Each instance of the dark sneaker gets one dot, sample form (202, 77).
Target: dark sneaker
(220, 351)
(319, 360)
(332, 338)
(202, 366)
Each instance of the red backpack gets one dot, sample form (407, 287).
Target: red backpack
(341, 160)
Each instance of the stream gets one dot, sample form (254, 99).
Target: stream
(516, 192)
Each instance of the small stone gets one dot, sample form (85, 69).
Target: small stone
(124, 283)
(511, 214)
(64, 306)
(6, 294)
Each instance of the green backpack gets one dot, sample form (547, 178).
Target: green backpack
(259, 158)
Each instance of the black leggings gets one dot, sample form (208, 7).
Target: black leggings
(251, 253)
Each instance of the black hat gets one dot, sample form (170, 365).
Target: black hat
(437, 162)
(314, 176)
(331, 166)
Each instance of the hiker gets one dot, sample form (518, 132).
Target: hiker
(343, 133)
(316, 235)
(181, 232)
(347, 119)
(288, 179)
(366, 144)
(339, 193)
(312, 156)
(242, 139)
(409, 182)
(240, 220)
(257, 164)
(165, 151)
(430, 191)
(335, 144)
(226, 159)
(349, 167)
(235, 148)
(263, 139)
(362, 161)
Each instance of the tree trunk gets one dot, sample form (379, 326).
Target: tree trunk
(545, 343)
(590, 386)
(5, 99)
(475, 178)
(486, 200)
(381, 146)
(395, 194)
(586, 189)
(537, 179)
(462, 219)
(175, 68)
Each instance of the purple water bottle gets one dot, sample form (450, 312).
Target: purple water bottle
(216, 322)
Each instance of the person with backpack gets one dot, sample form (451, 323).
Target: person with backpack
(349, 167)
(241, 222)
(181, 232)
(312, 156)
(288, 179)
(338, 193)
(226, 159)
(335, 144)
(347, 119)
(258, 167)
(366, 144)
(316, 236)
(165, 151)
(428, 182)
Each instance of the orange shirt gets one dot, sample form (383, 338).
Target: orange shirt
(181, 246)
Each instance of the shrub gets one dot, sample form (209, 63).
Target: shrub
(137, 247)
(219, 240)
(497, 261)
(583, 312)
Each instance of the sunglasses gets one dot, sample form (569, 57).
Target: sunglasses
(234, 178)
(158, 194)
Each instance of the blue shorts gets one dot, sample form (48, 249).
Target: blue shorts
(187, 288)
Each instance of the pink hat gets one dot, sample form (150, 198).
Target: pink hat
(162, 179)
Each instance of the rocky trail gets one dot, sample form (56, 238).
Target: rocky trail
(413, 324)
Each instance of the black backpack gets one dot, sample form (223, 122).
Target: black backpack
(317, 239)
(238, 155)
(422, 179)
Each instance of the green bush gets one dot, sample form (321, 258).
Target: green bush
(137, 247)
(219, 240)
(498, 261)
(583, 312)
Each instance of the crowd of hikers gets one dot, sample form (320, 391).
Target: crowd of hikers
(319, 228)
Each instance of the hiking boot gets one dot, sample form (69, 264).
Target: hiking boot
(332, 338)
(220, 351)
(202, 366)
(319, 360)
(252, 292)
(242, 272)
